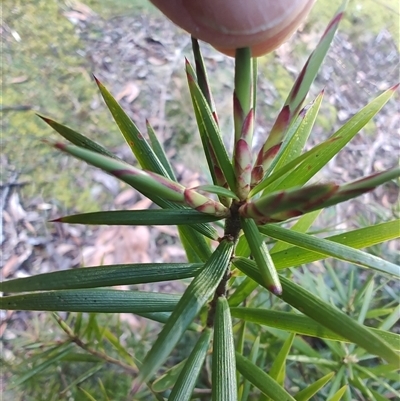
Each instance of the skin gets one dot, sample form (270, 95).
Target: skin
(262, 25)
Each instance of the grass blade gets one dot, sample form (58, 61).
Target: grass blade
(261, 380)
(103, 276)
(194, 298)
(186, 382)
(223, 358)
(89, 300)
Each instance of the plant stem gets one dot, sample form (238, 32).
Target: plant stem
(231, 232)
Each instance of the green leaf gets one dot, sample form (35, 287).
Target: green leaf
(149, 161)
(194, 298)
(313, 64)
(339, 394)
(301, 226)
(292, 148)
(303, 325)
(277, 371)
(147, 217)
(215, 189)
(141, 180)
(169, 378)
(325, 314)
(309, 168)
(98, 300)
(86, 394)
(103, 276)
(261, 380)
(208, 126)
(139, 146)
(281, 174)
(56, 354)
(261, 255)
(246, 287)
(81, 378)
(76, 138)
(159, 152)
(330, 248)
(253, 359)
(312, 389)
(223, 358)
(187, 379)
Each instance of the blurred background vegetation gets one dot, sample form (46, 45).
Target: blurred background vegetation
(51, 48)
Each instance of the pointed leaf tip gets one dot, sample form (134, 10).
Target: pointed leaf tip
(96, 80)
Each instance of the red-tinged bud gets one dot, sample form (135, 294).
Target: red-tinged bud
(262, 25)
(204, 205)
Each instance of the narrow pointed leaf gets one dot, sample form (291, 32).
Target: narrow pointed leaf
(278, 368)
(162, 317)
(168, 379)
(261, 255)
(89, 300)
(325, 314)
(159, 152)
(58, 353)
(281, 173)
(294, 146)
(347, 132)
(312, 389)
(289, 203)
(246, 287)
(76, 138)
(361, 186)
(215, 189)
(194, 298)
(149, 161)
(291, 144)
(329, 248)
(301, 226)
(302, 324)
(253, 359)
(102, 276)
(261, 380)
(223, 358)
(202, 77)
(360, 238)
(210, 128)
(139, 179)
(186, 382)
(339, 394)
(148, 217)
(312, 66)
(139, 146)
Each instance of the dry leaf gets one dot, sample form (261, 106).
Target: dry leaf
(130, 92)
